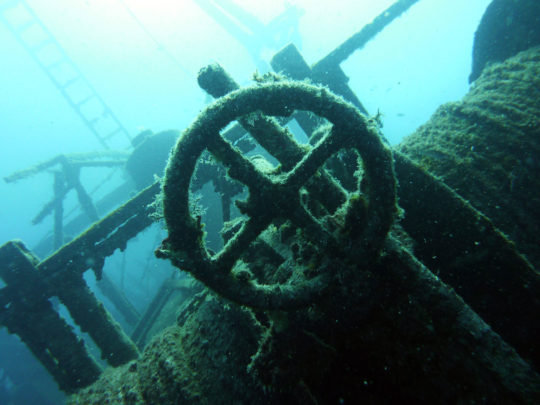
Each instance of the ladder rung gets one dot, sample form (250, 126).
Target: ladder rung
(111, 134)
(41, 45)
(93, 121)
(54, 65)
(85, 100)
(24, 26)
(69, 82)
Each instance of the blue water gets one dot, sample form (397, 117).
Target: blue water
(142, 58)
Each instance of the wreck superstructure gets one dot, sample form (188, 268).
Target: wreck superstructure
(353, 271)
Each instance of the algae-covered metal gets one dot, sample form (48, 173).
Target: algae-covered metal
(276, 196)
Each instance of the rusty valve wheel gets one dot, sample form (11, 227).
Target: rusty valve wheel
(272, 196)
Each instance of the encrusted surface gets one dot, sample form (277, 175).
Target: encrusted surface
(487, 148)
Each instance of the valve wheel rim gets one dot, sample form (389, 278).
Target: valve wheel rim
(184, 246)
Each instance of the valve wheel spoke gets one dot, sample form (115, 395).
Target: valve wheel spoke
(238, 167)
(250, 229)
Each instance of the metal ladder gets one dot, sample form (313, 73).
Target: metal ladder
(39, 42)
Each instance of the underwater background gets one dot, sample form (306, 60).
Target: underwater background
(142, 58)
